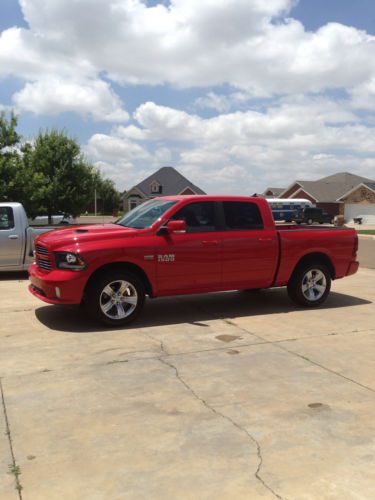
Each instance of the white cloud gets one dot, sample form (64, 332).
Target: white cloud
(245, 151)
(102, 147)
(117, 157)
(363, 96)
(187, 43)
(250, 47)
(51, 96)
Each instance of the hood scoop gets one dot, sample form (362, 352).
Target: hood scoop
(81, 231)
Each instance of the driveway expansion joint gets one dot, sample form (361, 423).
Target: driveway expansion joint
(328, 369)
(14, 468)
(278, 343)
(218, 413)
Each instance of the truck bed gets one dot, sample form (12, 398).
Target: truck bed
(297, 240)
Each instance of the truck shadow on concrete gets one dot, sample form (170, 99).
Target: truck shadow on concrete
(14, 275)
(192, 309)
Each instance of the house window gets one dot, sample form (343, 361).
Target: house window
(156, 187)
(132, 204)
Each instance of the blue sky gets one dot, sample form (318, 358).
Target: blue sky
(236, 96)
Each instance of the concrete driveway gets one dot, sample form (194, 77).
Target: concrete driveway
(366, 251)
(225, 396)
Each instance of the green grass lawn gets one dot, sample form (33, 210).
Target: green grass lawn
(366, 231)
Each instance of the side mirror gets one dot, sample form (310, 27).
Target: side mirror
(176, 226)
(173, 227)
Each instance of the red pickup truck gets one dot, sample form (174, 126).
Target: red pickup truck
(187, 244)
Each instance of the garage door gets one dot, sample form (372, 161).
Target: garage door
(357, 209)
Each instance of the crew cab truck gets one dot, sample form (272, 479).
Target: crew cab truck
(184, 245)
(16, 238)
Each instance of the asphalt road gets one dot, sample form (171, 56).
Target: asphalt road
(224, 396)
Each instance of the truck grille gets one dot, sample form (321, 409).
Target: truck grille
(43, 258)
(42, 250)
(44, 264)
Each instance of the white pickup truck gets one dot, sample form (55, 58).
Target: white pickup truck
(17, 237)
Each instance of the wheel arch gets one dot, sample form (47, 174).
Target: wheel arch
(122, 266)
(314, 258)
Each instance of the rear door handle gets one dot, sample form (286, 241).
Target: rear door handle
(13, 237)
(210, 242)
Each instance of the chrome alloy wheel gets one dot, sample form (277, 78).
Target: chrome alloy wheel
(314, 284)
(118, 299)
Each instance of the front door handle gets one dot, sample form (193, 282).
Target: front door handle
(13, 237)
(264, 239)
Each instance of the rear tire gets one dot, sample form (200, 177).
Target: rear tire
(310, 285)
(115, 298)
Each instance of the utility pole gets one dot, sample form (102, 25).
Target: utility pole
(95, 201)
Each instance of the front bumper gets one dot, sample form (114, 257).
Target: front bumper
(57, 286)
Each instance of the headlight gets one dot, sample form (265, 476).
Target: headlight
(69, 260)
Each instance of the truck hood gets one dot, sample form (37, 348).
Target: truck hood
(84, 234)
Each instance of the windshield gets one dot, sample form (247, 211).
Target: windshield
(146, 214)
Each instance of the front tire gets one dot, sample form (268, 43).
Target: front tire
(310, 285)
(115, 298)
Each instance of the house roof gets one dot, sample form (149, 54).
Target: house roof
(172, 183)
(332, 187)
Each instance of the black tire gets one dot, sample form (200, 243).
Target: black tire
(309, 222)
(299, 280)
(96, 299)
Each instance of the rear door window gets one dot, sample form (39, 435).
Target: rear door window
(242, 215)
(6, 218)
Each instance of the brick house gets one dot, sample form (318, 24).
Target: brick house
(165, 182)
(342, 193)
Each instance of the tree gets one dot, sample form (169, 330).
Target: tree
(8, 135)
(12, 179)
(63, 180)
(108, 195)
(49, 175)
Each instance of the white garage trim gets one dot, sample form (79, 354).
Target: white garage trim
(358, 209)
